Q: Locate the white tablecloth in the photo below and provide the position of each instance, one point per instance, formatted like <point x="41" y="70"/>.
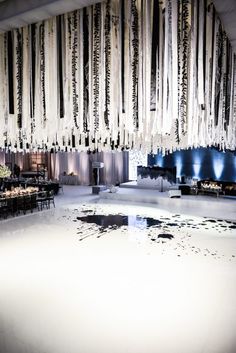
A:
<point x="69" y="179"/>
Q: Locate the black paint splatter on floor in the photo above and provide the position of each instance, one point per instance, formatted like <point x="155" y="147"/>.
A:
<point x="105" y="221"/>
<point x="87" y="211"/>
<point x="116" y="221"/>
<point x="96" y="222"/>
<point x="165" y="236"/>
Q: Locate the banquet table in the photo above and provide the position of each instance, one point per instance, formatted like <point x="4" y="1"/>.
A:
<point x="41" y="185"/>
<point x="14" y="204"/>
<point x="69" y="179"/>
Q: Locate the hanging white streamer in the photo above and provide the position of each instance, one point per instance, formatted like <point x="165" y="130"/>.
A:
<point x="189" y="101"/>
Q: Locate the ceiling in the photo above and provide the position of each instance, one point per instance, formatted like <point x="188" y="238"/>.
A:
<point x="17" y="13"/>
<point x="227" y="12"/>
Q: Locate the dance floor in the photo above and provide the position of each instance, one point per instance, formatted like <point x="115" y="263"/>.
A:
<point x="94" y="275"/>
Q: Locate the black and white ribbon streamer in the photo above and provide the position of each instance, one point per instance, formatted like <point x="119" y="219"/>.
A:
<point x="120" y="74"/>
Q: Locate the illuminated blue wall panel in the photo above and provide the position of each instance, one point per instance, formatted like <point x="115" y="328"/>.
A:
<point x="200" y="163"/>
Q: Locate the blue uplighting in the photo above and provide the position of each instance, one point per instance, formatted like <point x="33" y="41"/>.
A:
<point x="196" y="169"/>
<point x="159" y="160"/>
<point x="218" y="166"/>
<point x="179" y="166"/>
<point x="200" y="163"/>
<point x="197" y="161"/>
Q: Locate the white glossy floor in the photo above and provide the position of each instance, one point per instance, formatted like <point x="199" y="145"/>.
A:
<point x="201" y="205"/>
<point x="126" y="291"/>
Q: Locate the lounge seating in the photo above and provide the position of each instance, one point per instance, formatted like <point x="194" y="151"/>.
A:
<point x="217" y="187"/>
<point x="230" y="189"/>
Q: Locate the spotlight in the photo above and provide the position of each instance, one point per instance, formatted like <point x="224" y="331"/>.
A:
<point x="218" y="166"/>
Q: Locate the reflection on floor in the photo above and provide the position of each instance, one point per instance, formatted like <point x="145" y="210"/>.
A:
<point x="201" y="205"/>
<point x="95" y="276"/>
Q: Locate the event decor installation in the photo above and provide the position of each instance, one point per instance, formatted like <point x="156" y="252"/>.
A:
<point x="139" y="74"/>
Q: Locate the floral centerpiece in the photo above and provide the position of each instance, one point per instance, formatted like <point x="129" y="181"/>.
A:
<point x="19" y="191"/>
<point x="4" y="171"/>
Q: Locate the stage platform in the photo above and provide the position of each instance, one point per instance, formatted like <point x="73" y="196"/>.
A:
<point x="204" y="206"/>
<point x="133" y="185"/>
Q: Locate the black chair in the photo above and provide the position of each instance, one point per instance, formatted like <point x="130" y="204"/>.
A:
<point x="41" y="200"/>
<point x="33" y="201"/>
<point x="61" y="188"/>
<point x="3" y="208"/>
<point x="27" y="204"/>
<point x="12" y="205"/>
<point x="50" y="198"/>
<point x="20" y="204"/>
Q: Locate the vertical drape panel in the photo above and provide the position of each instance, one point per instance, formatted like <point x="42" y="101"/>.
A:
<point x="121" y="167"/>
<point x="108" y="172"/>
<point x="19" y="159"/>
<point x="85" y="168"/>
<point x="2" y="158"/>
<point x="115" y="169"/>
